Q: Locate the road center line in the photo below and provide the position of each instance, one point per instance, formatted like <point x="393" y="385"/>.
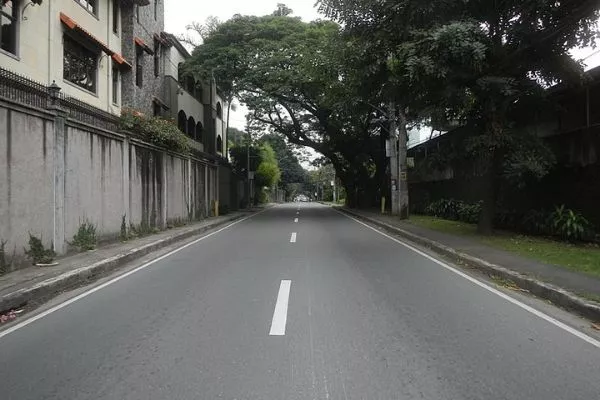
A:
<point x="293" y="238"/>
<point x="296" y="220"/>
<point x="281" y="308"/>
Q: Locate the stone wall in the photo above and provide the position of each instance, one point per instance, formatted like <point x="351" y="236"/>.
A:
<point x="141" y="98"/>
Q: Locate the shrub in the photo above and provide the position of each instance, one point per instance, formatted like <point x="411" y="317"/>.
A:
<point x="124" y="236"/>
<point x="570" y="225"/>
<point x="37" y="253"/>
<point x="454" y="210"/>
<point x="85" y="238"/>
<point x="223" y="209"/>
<point x="158" y="131"/>
<point x="4" y="264"/>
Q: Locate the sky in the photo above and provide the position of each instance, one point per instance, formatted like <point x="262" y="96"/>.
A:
<point x="180" y="13"/>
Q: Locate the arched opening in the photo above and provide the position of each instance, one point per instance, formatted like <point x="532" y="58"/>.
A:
<point x="191" y="130"/>
<point x="219" y="110"/>
<point x="180" y="78"/>
<point x="219" y="144"/>
<point x="182" y="121"/>
<point x="199" y="132"/>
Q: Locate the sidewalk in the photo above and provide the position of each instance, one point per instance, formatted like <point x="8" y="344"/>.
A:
<point x="555" y="283"/>
<point x="37" y="284"/>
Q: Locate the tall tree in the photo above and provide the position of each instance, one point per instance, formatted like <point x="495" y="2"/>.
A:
<point x="291" y="170"/>
<point x="479" y="60"/>
<point x="299" y="81"/>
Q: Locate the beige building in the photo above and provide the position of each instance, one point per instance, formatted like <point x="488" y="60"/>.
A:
<point x="75" y="43"/>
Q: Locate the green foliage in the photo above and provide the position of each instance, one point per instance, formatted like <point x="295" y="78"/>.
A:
<point x="268" y="173"/>
<point x="158" y="131"/>
<point x="562" y="223"/>
<point x="123" y="235"/>
<point x="4" y="263"/>
<point x="38" y="253"/>
<point x="223" y="209"/>
<point x="454" y="210"/>
<point x="570" y="225"/>
<point x="291" y="170"/>
<point x="479" y="62"/>
<point x="85" y="239"/>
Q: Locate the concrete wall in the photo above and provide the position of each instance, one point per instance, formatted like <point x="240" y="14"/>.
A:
<point x="57" y="172"/>
<point x="93" y="170"/>
<point x="26" y="177"/>
<point x="40" y="47"/>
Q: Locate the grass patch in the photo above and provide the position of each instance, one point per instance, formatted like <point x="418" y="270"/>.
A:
<point x="581" y="258"/>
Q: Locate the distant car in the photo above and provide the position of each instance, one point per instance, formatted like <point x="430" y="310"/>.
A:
<point x="301" y="198"/>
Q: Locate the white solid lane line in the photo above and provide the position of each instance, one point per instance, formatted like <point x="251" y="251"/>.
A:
<point x="293" y="238"/>
<point x="116" y="279"/>
<point x="281" y="308"/>
<point x="489" y="288"/>
<point x="296" y="220"/>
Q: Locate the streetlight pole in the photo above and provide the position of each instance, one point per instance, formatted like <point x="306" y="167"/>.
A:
<point x="394" y="159"/>
<point x="249" y="194"/>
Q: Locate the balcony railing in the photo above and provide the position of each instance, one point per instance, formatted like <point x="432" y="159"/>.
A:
<point x="19" y="89"/>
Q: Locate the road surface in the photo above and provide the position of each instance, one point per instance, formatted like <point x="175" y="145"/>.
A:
<point x="321" y="308"/>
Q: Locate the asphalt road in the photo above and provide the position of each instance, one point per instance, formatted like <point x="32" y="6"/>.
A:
<point x="366" y="318"/>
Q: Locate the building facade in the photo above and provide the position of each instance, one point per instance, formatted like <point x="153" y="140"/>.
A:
<point x="76" y="44"/>
<point x="198" y="108"/>
<point x="112" y="54"/>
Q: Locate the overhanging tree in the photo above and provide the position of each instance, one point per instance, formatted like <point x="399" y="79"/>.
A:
<point x="298" y="80"/>
<point x="479" y="60"/>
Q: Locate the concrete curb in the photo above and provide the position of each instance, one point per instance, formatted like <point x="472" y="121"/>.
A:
<point x="555" y="294"/>
<point x="49" y="288"/>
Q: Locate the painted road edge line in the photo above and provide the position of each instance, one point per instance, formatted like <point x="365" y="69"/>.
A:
<point x="293" y="238"/>
<point x="487" y="287"/>
<point x="116" y="279"/>
<point x="281" y="308"/>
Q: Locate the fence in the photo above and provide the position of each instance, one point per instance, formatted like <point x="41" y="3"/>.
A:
<point x="25" y="91"/>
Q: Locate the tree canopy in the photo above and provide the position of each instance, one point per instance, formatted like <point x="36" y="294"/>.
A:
<point x="332" y="86"/>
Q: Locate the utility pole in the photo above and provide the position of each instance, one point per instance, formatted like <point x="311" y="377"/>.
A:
<point x="394" y="159"/>
<point x="248" y="175"/>
<point x="398" y="164"/>
<point x="403" y="167"/>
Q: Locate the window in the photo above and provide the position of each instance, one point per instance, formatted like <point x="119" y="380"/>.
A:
<point x="155" y="10"/>
<point x="80" y="64"/>
<point x="115" y="16"/>
<point x="156" y="57"/>
<point x="8" y="20"/>
<point x="182" y="121"/>
<point x="115" y="84"/>
<point x="139" y="66"/>
<point x="219" y="111"/>
<point x="156" y="109"/>
<point x="90" y="5"/>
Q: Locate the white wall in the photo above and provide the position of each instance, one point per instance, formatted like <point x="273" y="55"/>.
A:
<point x="40" y="47"/>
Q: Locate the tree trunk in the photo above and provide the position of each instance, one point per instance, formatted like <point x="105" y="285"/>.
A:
<point x="488" y="208"/>
<point x="490" y="177"/>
